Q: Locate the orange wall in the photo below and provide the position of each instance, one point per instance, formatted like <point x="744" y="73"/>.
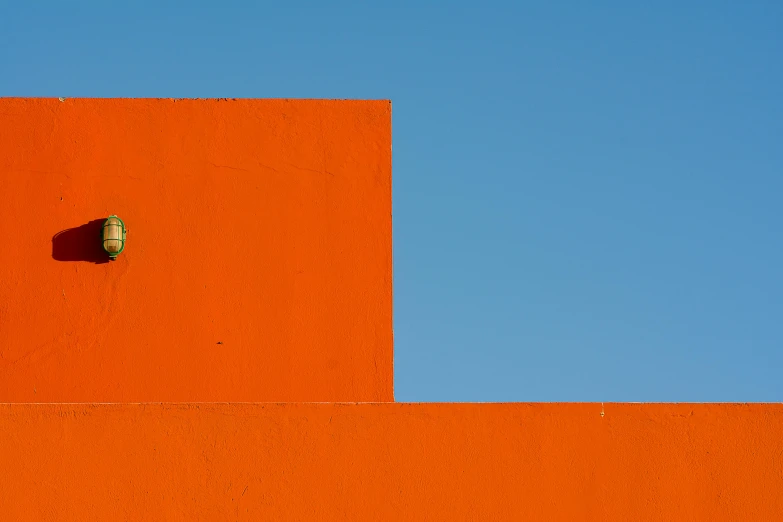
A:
<point x="264" y="225"/>
<point x="392" y="462"/>
<point x="258" y="268"/>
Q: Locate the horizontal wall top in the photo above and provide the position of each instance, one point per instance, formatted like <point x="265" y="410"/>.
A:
<point x="392" y="462"/>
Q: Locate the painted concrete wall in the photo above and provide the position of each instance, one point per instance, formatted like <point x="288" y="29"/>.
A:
<point x="453" y="462"/>
<point x="258" y="265"/>
<point x="258" y="268"/>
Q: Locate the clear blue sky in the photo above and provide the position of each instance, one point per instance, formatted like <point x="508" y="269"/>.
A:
<point x="587" y="195"/>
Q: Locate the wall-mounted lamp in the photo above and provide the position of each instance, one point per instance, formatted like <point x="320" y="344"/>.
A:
<point x="113" y="236"/>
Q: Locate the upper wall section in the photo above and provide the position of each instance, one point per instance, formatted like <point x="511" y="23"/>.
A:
<point x="258" y="264"/>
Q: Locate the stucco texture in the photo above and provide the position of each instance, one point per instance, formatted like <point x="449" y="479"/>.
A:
<point x="258" y="271"/>
<point x="258" y="264"/>
<point x="392" y="461"/>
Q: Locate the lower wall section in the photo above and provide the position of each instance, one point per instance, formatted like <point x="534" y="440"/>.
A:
<point x="391" y="462"/>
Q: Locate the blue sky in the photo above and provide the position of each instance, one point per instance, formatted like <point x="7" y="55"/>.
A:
<point x="587" y="195"/>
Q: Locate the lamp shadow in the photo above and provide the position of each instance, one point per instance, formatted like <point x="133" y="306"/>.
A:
<point x="80" y="244"/>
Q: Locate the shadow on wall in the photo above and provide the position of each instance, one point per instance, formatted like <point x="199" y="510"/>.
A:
<point x="80" y="244"/>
